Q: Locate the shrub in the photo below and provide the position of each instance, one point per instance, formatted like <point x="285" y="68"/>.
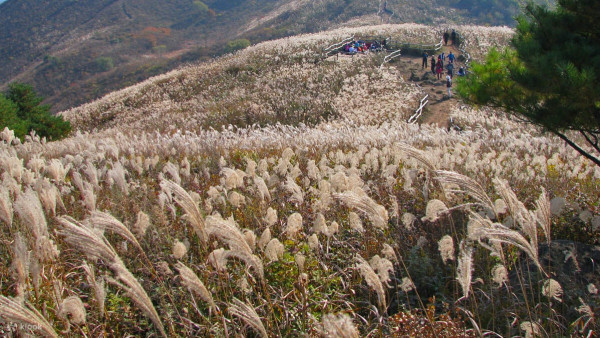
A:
<point x="21" y="110"/>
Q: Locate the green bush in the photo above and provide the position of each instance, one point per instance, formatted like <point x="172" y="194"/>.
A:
<point x="104" y="63"/>
<point x="237" y="44"/>
<point x="21" y="110"/>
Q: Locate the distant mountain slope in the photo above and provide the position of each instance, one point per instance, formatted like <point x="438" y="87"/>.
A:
<point x="73" y="51"/>
<point x="276" y="82"/>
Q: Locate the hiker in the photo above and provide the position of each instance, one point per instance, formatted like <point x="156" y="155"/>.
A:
<point x="451" y="57"/>
<point x="449" y="85"/>
<point x="425" y="57"/>
<point x="453" y="36"/>
<point x="433" y="64"/>
<point x="450" y="68"/>
<point x="461" y="72"/>
<point x="446" y="36"/>
<point x="438" y="69"/>
<point x="443" y="56"/>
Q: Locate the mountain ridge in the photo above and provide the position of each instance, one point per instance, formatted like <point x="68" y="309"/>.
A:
<point x="75" y="51"/>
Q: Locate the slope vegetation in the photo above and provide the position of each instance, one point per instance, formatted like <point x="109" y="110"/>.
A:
<point x="267" y="194"/>
<point x="76" y="51"/>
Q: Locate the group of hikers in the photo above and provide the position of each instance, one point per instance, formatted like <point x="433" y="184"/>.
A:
<point x="364" y="46"/>
<point x="437" y="68"/>
<point x="437" y="65"/>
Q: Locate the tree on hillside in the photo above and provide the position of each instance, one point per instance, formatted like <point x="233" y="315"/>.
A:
<point x="551" y="74"/>
<point x="21" y="110"/>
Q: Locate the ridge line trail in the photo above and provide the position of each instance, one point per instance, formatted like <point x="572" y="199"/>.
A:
<point x="437" y="111"/>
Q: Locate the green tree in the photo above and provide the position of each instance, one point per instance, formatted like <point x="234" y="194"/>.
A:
<point x="21" y="110"/>
<point x="550" y="76"/>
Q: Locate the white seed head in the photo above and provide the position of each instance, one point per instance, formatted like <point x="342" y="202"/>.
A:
<point x="552" y="289"/>
<point x="179" y="250"/>
<point x="446" y="248"/>
<point x="499" y="274"/>
<point x="72" y="309"/>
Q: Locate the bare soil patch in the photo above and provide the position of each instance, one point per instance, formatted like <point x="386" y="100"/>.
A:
<point x="438" y="109"/>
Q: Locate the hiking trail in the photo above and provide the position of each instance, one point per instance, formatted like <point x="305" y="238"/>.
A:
<point x="438" y="109"/>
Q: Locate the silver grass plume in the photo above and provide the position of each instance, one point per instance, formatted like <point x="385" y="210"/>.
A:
<point x="232" y="178"/>
<point x="518" y="211"/>
<point x="29" y="209"/>
<point x="6" y="207"/>
<point x="218" y="259"/>
<point x="95" y="245"/>
<point x="417" y="155"/>
<point x="293" y="225"/>
<point x="229" y="232"/>
<point x="194" y="216"/>
<point x="265" y="238"/>
<point x="338" y="326"/>
<point x="105" y="221"/>
<point x="116" y="175"/>
<point x="552" y="289"/>
<point x="375" y="212"/>
<point x="467" y="184"/>
<point x="250" y="237"/>
<point x="72" y="309"/>
<point x="355" y="222"/>
<point x="96" y="284"/>
<point x="191" y="280"/>
<point x="499" y="274"/>
<point x="48" y="194"/>
<point x="543" y="213"/>
<point x="446" y="248"/>
<point x="20" y="264"/>
<point x="292" y="188"/>
<point x="434" y="210"/>
<point x="271" y="217"/>
<point x="173" y="171"/>
<point x="141" y="224"/>
<point x="382" y="266"/>
<point x="274" y="250"/>
<point x="532" y="329"/>
<point x="465" y="267"/>
<point x="13" y="311"/>
<point x="372" y="279"/>
<point x="496" y="232"/>
<point x="179" y="249"/>
<point x="89" y="197"/>
<point x="262" y="189"/>
<point x="389" y="253"/>
<point x="248" y="315"/>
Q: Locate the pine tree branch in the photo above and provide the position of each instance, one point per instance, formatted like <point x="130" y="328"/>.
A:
<point x="575" y="146"/>
<point x="594" y="142"/>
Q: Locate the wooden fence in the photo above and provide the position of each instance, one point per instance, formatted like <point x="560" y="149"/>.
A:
<point x="419" y="111"/>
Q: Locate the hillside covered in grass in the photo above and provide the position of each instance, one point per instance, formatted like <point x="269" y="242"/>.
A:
<point x="272" y="192"/>
<point x="75" y="51"/>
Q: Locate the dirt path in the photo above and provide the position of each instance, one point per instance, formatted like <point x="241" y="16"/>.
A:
<point x="439" y="106"/>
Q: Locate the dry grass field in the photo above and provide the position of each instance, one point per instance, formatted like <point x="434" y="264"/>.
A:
<point x="272" y="193"/>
